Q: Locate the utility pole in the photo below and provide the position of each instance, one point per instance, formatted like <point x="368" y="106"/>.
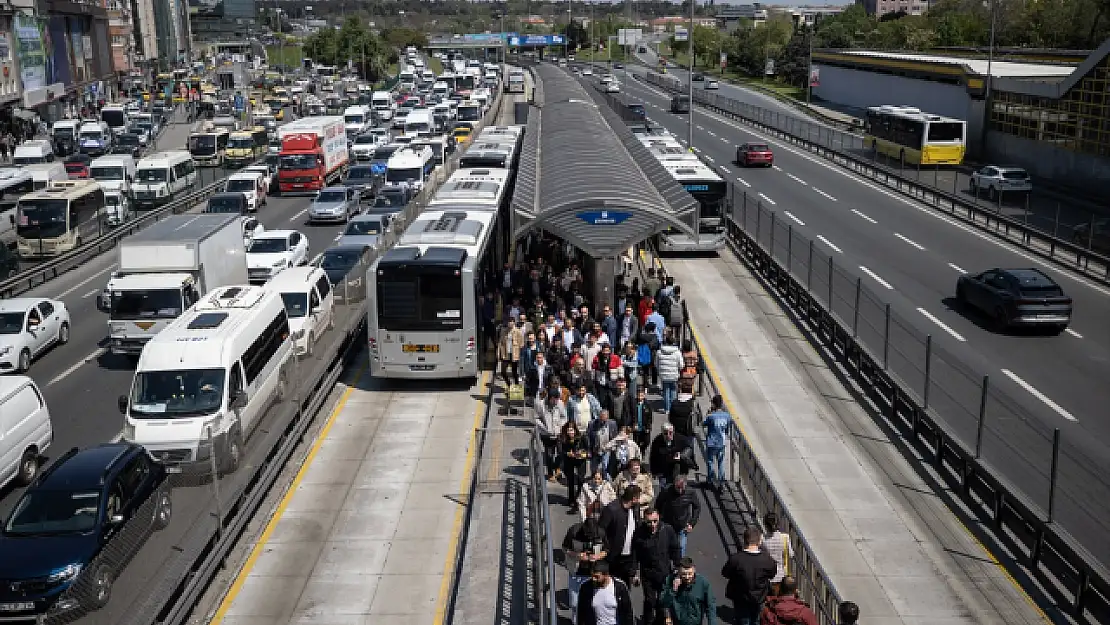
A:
<point x="570" y="23"/>
<point x="690" y="78"/>
<point x="810" y="32"/>
<point x="987" y="105"/>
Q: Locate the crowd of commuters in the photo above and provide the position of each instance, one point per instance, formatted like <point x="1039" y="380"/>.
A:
<point x="597" y="386"/>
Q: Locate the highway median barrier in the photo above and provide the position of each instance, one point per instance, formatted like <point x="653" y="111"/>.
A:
<point x="844" y="149"/>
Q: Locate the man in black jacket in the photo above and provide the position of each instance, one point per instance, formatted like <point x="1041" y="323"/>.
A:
<point x="749" y="573"/>
<point x="618" y="521"/>
<point x="605" y="599"/>
<point x="584" y="545"/>
<point x="538" y="375"/>
<point x="670" y="455"/>
<point x="679" y="508"/>
<point x="658" y="552"/>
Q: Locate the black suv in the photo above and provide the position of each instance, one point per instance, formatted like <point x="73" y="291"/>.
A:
<point x="76" y="527"/>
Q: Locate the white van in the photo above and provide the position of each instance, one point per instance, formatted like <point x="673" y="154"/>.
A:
<point x="161" y="177"/>
<point x="382" y="103"/>
<point x="25" y="430"/>
<point x="419" y="123"/>
<point x="95" y="138"/>
<point x="45" y="173"/>
<point x="115" y="172"/>
<point x="251" y="184"/>
<point x="218" y="390"/>
<point x="33" y="151"/>
<point x="411" y="166"/>
<point x="309" y="304"/>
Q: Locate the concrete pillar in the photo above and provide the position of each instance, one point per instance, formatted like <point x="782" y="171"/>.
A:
<point x="604" y="280"/>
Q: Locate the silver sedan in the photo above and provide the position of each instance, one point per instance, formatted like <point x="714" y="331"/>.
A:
<point x="334" y="204"/>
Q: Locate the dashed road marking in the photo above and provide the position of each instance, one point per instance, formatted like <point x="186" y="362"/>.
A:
<point x="829" y="243"/>
<point x="797" y="179"/>
<point x="909" y="241"/>
<point x="769" y="200"/>
<point x="1039" y="395"/>
<point x="824" y="194"/>
<point x="794" y="218"/>
<point x="743" y="182"/>
<point x="863" y="216"/>
<point x="1073" y="333"/>
<point x="957" y="268"/>
<point x="77" y="365"/>
<point x="874" y="276"/>
<point x="943" y="326"/>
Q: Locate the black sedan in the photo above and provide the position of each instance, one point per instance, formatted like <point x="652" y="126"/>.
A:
<point x="1016" y="297"/>
<point x="128" y="143"/>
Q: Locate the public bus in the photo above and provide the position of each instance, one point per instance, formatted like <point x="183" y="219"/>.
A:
<point x="209" y="145"/>
<point x="711" y="192"/>
<point x="58" y="218"/>
<point x="424" y="322"/>
<point x="914" y="137"/>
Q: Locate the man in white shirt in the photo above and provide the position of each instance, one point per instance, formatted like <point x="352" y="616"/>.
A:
<point x="604" y="600"/>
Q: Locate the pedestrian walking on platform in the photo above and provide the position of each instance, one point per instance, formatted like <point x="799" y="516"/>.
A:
<point x="848" y="612"/>
<point x="749" y="573"/>
<point x="786" y="608"/>
<point x="669" y="364"/>
<point x="605" y="600"/>
<point x="619" y="520"/>
<point x="575" y="453"/>
<point x="680" y="509"/>
<point x="671" y="455"/>
<point x="718" y="426"/>
<point x="777" y="545"/>
<point x="658" y="554"/>
<point x="585" y="544"/>
<point x="687" y="598"/>
<point x="509" y="346"/>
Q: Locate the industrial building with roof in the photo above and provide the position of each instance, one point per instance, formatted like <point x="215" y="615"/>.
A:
<point x="1051" y="118"/>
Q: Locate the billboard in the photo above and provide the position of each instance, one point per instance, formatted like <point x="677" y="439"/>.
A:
<point x="31" y="52"/>
<point x="537" y="40"/>
<point x="629" y="36"/>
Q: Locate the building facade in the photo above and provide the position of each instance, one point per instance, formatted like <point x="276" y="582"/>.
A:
<point x="879" y="8"/>
<point x="223" y="20"/>
<point x="121" y="34"/>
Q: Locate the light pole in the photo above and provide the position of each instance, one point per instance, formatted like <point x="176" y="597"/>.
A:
<point x="690" y="78"/>
<point x="809" y="72"/>
<point x="987" y="105"/>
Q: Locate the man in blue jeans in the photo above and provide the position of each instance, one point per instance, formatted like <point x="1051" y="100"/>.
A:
<point x="718" y="426"/>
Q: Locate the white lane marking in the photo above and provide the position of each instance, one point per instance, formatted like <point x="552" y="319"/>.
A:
<point x="298" y="215"/>
<point x="776" y="167"/>
<point x="795" y="219"/>
<point x="797" y="179"/>
<point x="85" y="281"/>
<point x="921" y="208"/>
<point x="942" y="325"/>
<point x="957" y="267"/>
<point x="909" y="241"/>
<point x="77" y="365"/>
<point x="769" y="200"/>
<point x="725" y="169"/>
<point x="1073" y="333"/>
<point x="709" y="132"/>
<point x="90" y="293"/>
<point x="829" y="243"/>
<point x="696" y="149"/>
<point x="707" y="157"/>
<point x="743" y="182"/>
<point x="824" y="194"/>
<point x="862" y="216"/>
<point x="874" y="276"/>
<point x="723" y="139"/>
<point x="1039" y="395"/>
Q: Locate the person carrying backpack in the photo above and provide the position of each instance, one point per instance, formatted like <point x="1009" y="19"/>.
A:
<point x="676" y="315"/>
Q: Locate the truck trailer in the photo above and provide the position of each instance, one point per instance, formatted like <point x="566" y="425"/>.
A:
<point x="164" y="270"/>
<point x="313" y="154"/>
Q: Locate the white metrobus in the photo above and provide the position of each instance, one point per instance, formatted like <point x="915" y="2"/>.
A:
<point x="203" y="384"/>
<point x="473" y="189"/>
<point x="424" y="320"/>
<point x="161" y="177"/>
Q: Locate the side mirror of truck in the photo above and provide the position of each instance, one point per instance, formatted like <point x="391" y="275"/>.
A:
<point x="122" y="402"/>
<point x="239" y="401"/>
<point x="102" y="303"/>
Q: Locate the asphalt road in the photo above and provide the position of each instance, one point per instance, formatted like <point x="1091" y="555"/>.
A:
<point x="1046" y="210"/>
<point x="910" y="256"/>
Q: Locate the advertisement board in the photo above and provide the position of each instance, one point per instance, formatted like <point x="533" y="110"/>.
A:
<point x="32" y="53"/>
<point x="537" y="40"/>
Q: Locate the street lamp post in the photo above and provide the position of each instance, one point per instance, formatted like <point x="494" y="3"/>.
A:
<point x="987" y="106"/>
<point x="690" y="78"/>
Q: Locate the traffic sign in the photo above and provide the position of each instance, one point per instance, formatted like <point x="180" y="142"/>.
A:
<point x="240" y="102"/>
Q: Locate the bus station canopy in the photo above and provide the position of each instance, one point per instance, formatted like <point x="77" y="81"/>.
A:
<point x="585" y="177"/>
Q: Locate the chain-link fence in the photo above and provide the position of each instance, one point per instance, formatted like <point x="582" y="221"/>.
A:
<point x="1075" y="222"/>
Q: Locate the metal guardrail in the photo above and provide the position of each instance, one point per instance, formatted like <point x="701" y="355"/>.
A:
<point x="815" y="585"/>
<point x="805" y="281"/>
<point x="823" y="142"/>
<point x="52" y="268"/>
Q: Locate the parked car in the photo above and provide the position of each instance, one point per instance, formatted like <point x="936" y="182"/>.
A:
<point x="1016" y="297"/>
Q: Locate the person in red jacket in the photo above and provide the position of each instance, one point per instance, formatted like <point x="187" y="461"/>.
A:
<point x="787" y="608"/>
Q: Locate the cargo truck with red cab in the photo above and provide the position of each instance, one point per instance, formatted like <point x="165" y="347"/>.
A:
<point x="313" y="154"/>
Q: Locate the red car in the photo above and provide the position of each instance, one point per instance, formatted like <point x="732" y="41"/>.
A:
<point x="750" y="154"/>
<point x="77" y="166"/>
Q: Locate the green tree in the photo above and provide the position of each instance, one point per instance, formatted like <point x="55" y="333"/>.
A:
<point x="402" y="37"/>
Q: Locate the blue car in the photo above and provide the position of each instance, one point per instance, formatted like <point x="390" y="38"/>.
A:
<point x="76" y="527"/>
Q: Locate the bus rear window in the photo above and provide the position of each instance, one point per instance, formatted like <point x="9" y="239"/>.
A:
<point x="425" y="299"/>
<point x="946" y="131"/>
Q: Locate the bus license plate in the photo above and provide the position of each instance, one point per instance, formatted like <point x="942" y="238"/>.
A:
<point x="421" y="349"/>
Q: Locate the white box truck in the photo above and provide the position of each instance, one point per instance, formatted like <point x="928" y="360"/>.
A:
<point x="165" y="269"/>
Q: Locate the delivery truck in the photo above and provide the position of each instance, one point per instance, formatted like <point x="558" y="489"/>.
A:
<point x="313" y="154"/>
<point x="165" y="269"/>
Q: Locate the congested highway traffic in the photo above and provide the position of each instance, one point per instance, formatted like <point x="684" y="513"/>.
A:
<point x="911" y="257"/>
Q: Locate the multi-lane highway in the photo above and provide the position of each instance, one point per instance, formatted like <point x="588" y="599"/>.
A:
<point x="910" y="256"/>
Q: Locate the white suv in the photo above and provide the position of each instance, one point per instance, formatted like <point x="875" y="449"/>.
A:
<point x="995" y="179"/>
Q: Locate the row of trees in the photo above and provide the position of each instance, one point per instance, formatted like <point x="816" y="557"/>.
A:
<point x="372" y="53"/>
<point x="1068" y="24"/>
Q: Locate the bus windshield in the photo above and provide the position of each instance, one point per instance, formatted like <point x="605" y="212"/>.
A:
<point x="154" y="304"/>
<point x="409" y="174"/>
<point x="45" y="218"/>
<point x="241" y="143"/>
<point x="469" y="113"/>
<point x="421" y="298"/>
<point x="107" y="173"/>
<point x="152" y="175"/>
<point x="175" y="394"/>
<point x="202" y="144"/>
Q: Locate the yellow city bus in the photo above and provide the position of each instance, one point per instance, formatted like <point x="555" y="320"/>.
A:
<point x="913" y="137"/>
